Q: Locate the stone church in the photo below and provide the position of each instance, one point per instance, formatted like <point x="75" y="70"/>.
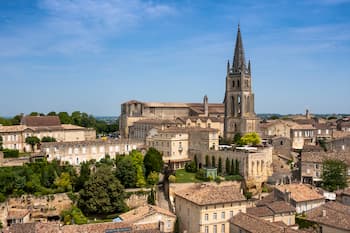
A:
<point x="240" y="116"/>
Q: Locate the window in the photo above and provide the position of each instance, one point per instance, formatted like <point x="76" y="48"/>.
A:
<point x="231" y="214"/>
<point x="327" y="131"/>
<point x="222" y="228"/>
<point x="214" y="216"/>
<point x="214" y="229"/>
<point x="222" y="215"/>
<point x="168" y="223"/>
<point x="206" y="229"/>
<point x="206" y="217"/>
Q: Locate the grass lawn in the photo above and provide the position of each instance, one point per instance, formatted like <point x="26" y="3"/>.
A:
<point x="185" y="177"/>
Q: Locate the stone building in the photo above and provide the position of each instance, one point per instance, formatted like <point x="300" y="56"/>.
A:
<point x="175" y="143"/>
<point x="311" y="166"/>
<point x="78" y="152"/>
<point x="240" y="116"/>
<point x="134" y="111"/>
<point x="42" y="126"/>
<point x="332" y="217"/>
<point x="255" y="164"/>
<point x="150" y="214"/>
<point x="303" y="135"/>
<point x="208" y="208"/>
<point x="301" y="196"/>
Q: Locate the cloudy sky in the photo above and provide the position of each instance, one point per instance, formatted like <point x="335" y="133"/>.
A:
<point x="92" y="55"/>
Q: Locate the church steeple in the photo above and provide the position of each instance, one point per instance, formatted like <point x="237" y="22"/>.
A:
<point x="239" y="59"/>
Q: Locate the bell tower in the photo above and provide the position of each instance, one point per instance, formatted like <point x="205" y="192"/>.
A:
<point x="240" y="116"/>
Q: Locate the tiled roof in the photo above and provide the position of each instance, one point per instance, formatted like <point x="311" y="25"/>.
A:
<point x="203" y="194"/>
<point x="320" y="156"/>
<point x="300" y="192"/>
<point x="36" y="121"/>
<point x="144" y="211"/>
<point x="254" y="224"/>
<point x="332" y="214"/>
<point x="12" y="128"/>
<point x="17" y="214"/>
<point x="98" y="227"/>
<point x="270" y="209"/>
<point x="35" y="227"/>
<point x="267" y="199"/>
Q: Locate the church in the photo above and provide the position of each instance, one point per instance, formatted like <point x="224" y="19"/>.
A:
<point x="235" y="115"/>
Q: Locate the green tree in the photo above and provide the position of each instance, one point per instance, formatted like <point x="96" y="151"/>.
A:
<point x="73" y="216"/>
<point x="53" y="113"/>
<point x="236" y="167"/>
<point x="64" y="182"/>
<point x="334" y="175"/>
<point x="237" y="138"/>
<point x="137" y="160"/>
<point x="151" y="199"/>
<point x="102" y="193"/>
<point x="213" y="163"/>
<point x="153" y="161"/>
<point x="84" y="175"/>
<point x="65" y="118"/>
<point x="227" y="166"/>
<point x="153" y="178"/>
<point x="207" y="164"/>
<point x="250" y="139"/>
<point x="48" y="139"/>
<point x="233" y="170"/>
<point x="219" y="166"/>
<point x="126" y="172"/>
<point x="196" y="161"/>
<point x="32" y="141"/>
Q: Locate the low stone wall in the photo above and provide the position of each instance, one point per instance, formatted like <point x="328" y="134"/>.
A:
<point x="137" y="197"/>
<point x="11" y="162"/>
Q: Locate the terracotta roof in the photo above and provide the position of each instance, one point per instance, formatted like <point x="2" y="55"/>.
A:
<point x="98" y="227"/>
<point x="302" y="126"/>
<point x="300" y="192"/>
<point x="144" y="211"/>
<point x="204" y="194"/>
<point x="254" y="224"/>
<point x="17" y="214"/>
<point x="270" y="209"/>
<point x="332" y="214"/>
<point x="12" y="128"/>
<point x="35" y="227"/>
<point x="267" y="199"/>
<point x="40" y="121"/>
<point x="320" y="156"/>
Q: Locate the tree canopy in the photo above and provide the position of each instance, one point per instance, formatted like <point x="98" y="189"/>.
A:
<point x="126" y="171"/>
<point x="153" y="161"/>
<point x="102" y="193"/>
<point x="334" y="175"/>
<point x="32" y="141"/>
<point x="250" y="139"/>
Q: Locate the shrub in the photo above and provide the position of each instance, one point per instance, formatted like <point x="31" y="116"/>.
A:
<point x="172" y="179"/>
<point x="218" y="180"/>
<point x="234" y="178"/>
<point x="200" y="175"/>
<point x="191" y="167"/>
<point x="8" y="153"/>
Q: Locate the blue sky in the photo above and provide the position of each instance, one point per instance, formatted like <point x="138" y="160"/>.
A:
<point x="92" y="55"/>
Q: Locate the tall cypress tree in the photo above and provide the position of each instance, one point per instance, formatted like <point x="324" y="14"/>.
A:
<point x="237" y="167"/>
<point x="227" y="166"/>
<point x="220" y="166"/>
<point x="213" y="164"/>
<point x="207" y="161"/>
<point x="232" y="172"/>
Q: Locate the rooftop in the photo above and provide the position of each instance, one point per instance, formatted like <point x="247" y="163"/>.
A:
<point x="332" y="214"/>
<point x="36" y="121"/>
<point x="17" y="214"/>
<point x="270" y="209"/>
<point x="320" y="156"/>
<point x="204" y="194"/>
<point x="144" y="211"/>
<point x="254" y="224"/>
<point x="300" y="192"/>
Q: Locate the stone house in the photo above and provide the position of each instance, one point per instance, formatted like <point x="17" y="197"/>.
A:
<point x="77" y="152"/>
<point x="343" y="196"/>
<point x="247" y="223"/>
<point x="208" y="208"/>
<point x="303" y="135"/>
<point x="277" y="211"/>
<point x="332" y="217"/>
<point x="149" y="214"/>
<point x="301" y="196"/>
<point x="17" y="216"/>
<point x="42" y="126"/>
<point x="311" y="165"/>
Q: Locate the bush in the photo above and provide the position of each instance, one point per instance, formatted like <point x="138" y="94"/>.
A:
<point x="200" y="175"/>
<point x="218" y="180"/>
<point x="191" y="167"/>
<point x="234" y="178"/>
<point x="8" y="153"/>
<point x="172" y="179"/>
<point x="248" y="195"/>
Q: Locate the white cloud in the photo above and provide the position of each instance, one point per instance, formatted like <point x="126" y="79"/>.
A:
<point x="71" y="26"/>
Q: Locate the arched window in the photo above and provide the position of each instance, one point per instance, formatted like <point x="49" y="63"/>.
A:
<point x="233" y="83"/>
<point x="238" y="84"/>
<point x="233" y="105"/>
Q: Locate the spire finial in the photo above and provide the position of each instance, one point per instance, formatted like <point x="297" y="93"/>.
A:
<point x="239" y="64"/>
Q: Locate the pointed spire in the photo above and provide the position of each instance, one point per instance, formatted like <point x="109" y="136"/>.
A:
<point x="249" y="67"/>
<point x="228" y="66"/>
<point x="239" y="59"/>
